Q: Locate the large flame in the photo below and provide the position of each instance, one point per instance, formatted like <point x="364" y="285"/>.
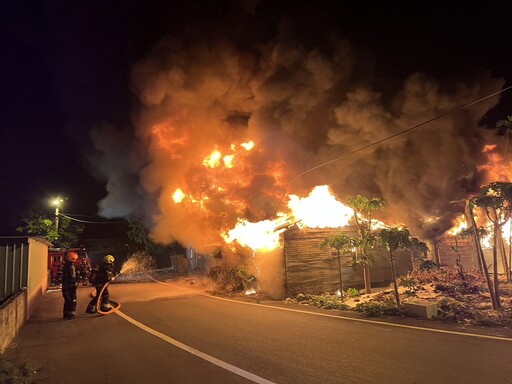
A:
<point x="257" y="236"/>
<point x="320" y="209"/>
<point x="496" y="169"/>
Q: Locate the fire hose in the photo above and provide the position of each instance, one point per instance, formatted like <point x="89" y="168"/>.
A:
<point x="98" y="302"/>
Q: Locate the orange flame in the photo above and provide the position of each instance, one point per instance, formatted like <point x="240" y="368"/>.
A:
<point x="496" y="169"/>
<point x="320" y="209"/>
<point x="213" y="159"/>
<point x="257" y="236"/>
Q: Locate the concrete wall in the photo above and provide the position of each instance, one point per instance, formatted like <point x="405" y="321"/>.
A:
<point x="37" y="272"/>
<point x="18" y="308"/>
<point x="13" y="314"/>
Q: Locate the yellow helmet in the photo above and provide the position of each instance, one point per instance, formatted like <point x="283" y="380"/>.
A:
<point x="72" y="256"/>
<point x="109" y="259"/>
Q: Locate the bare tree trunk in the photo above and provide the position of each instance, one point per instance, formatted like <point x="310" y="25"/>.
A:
<point x="367" y="279"/>
<point x="341" y="276"/>
<point x="393" y="275"/>
<point x="475" y="238"/>
<point x="458" y="262"/>
<point x="495" y="267"/>
<point x="481" y="256"/>
<point x="435" y="247"/>
<point x="503" y="253"/>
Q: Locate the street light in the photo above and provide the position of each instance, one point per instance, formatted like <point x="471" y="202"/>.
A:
<point x="57" y="203"/>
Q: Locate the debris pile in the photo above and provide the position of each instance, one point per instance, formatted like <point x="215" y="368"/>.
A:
<point x="461" y="297"/>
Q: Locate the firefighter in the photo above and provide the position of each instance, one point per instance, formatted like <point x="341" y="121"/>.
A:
<point x="69" y="284"/>
<point x="101" y="276"/>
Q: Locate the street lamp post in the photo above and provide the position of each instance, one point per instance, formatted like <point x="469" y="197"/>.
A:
<point x="57" y="202"/>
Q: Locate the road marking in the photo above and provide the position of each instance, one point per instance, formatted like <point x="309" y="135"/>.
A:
<point x="502" y="338"/>
<point x="238" y="371"/>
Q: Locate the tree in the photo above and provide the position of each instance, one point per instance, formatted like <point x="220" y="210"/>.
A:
<point x="496" y="200"/>
<point x="342" y="244"/>
<point x="139" y="234"/>
<point x="363" y="209"/>
<point x="394" y="238"/>
<point x="42" y="225"/>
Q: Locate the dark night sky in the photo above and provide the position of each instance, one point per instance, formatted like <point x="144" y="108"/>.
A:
<point x="66" y="69"/>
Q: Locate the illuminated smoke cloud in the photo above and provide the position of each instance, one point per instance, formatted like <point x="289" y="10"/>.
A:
<point x="302" y="104"/>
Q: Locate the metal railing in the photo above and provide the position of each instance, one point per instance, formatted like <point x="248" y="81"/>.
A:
<point x="13" y="268"/>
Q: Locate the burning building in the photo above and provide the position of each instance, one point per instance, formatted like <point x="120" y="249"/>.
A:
<point x="232" y="127"/>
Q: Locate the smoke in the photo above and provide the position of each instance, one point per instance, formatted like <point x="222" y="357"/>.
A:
<point x="303" y="100"/>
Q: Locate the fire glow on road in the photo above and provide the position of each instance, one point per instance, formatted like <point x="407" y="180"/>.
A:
<point x="222" y="364"/>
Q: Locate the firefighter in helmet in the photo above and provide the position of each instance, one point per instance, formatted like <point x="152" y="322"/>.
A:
<point x="69" y="284"/>
<point x="99" y="278"/>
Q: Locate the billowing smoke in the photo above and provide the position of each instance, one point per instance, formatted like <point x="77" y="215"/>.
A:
<point x="302" y="101"/>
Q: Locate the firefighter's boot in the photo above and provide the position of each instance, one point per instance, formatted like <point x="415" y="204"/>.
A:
<point x="91" y="309"/>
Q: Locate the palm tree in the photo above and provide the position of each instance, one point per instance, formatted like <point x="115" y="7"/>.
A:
<point x="343" y="244"/>
<point x="394" y="238"/>
<point x="496" y="200"/>
<point x="363" y="209"/>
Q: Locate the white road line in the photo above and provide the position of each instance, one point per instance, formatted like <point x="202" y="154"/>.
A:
<point x="238" y="371"/>
<point x="502" y="338"/>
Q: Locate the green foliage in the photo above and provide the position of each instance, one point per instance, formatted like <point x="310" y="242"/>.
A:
<point x="353" y="292"/>
<point x="419" y="248"/>
<point x="235" y="278"/>
<point x="496" y="196"/>
<point x="394" y="238"/>
<point x="139" y="234"/>
<point x="428" y="265"/>
<point x="44" y="226"/>
<point x="379" y="308"/>
<point x="328" y="301"/>
<point x="341" y="242"/>
<point x="411" y="286"/>
<point x="362" y="204"/>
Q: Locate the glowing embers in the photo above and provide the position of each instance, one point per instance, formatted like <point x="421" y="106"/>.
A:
<point x="178" y="196"/>
<point x="320" y="209"/>
<point x="216" y="158"/>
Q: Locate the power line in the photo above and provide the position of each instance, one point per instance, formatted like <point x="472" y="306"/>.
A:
<point x="90" y="222"/>
<point x="391" y="137"/>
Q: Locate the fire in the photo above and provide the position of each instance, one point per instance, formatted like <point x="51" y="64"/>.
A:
<point x="248" y="146"/>
<point x="496" y="168"/>
<point x="178" y="196"/>
<point x="167" y="138"/>
<point x="213" y="159"/>
<point x="257" y="236"/>
<point x="320" y="209"/>
<point x="228" y="161"/>
<point x="459" y="225"/>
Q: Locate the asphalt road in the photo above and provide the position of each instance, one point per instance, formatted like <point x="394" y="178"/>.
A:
<point x="168" y="333"/>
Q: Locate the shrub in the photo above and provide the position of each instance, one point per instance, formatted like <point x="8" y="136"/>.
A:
<point x="328" y="301"/>
<point x="353" y="292"/>
<point x="230" y="278"/>
<point x="379" y="308"/>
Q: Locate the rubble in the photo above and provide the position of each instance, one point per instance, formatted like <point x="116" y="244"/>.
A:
<point x="464" y="301"/>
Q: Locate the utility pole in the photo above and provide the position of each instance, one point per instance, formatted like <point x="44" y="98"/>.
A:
<point x="57" y="202"/>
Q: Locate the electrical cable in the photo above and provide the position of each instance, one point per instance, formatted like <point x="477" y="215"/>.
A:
<point x="90" y="222"/>
<point x="390" y="137"/>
